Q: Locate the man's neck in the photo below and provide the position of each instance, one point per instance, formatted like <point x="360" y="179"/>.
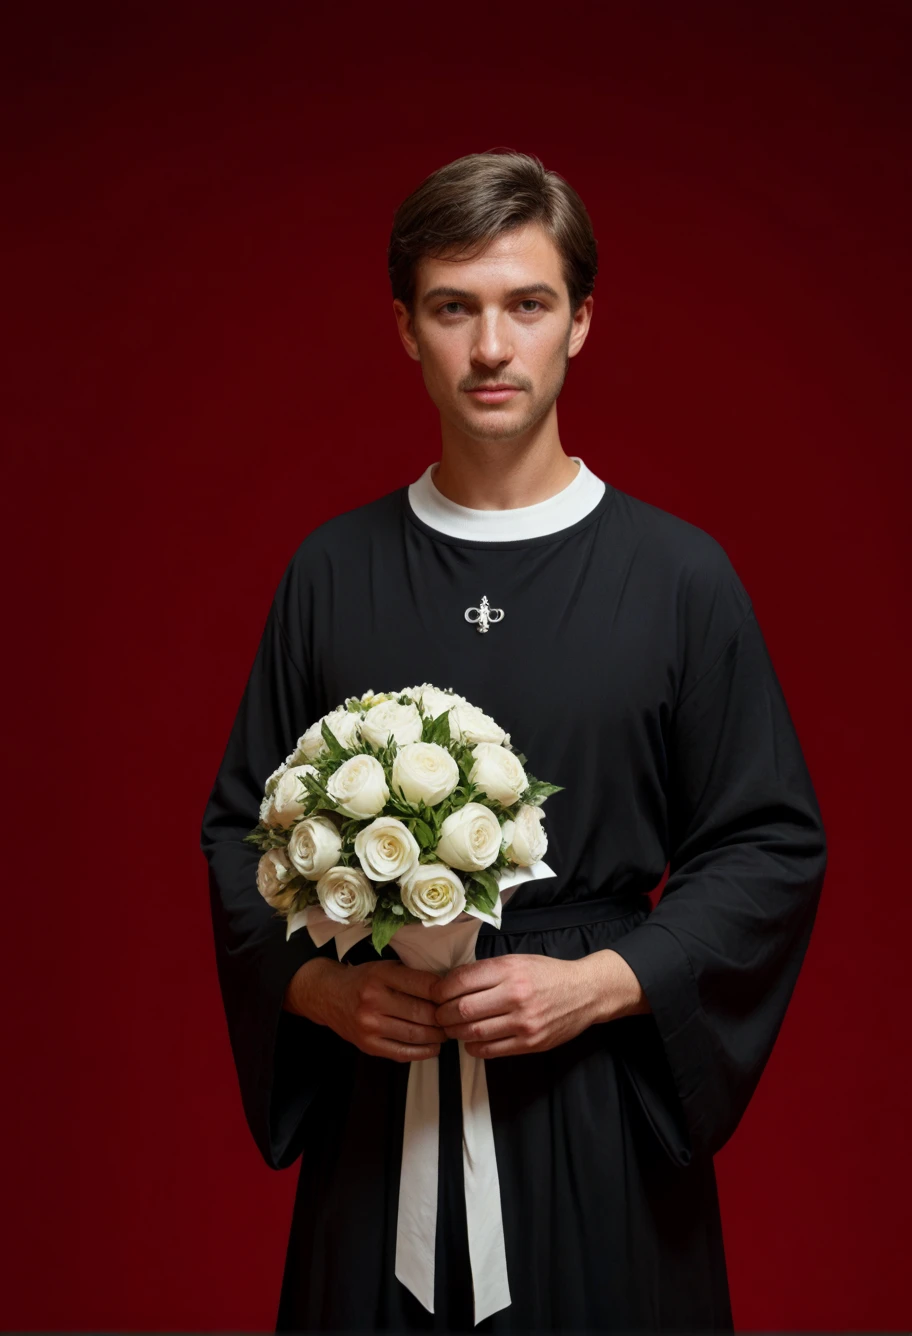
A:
<point x="497" y="476"/>
<point x="491" y="524"/>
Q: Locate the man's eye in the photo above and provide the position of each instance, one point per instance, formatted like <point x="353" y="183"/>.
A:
<point x="446" y="307"/>
<point x="529" y="301"/>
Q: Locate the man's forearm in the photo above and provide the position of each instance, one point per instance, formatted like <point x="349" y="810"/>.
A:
<point x="614" y="990"/>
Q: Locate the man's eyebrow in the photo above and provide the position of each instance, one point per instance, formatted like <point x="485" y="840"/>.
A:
<point x="528" y="289"/>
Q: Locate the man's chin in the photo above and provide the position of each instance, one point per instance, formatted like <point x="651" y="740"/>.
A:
<point x="497" y="426"/>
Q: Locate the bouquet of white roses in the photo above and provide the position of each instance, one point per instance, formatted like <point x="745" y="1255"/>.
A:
<point x="399" y="808"/>
<point x="395" y="812"/>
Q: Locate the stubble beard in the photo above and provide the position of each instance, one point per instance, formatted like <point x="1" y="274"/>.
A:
<point x="496" y="426"/>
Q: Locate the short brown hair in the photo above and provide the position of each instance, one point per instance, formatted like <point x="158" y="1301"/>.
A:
<point x="467" y="203"/>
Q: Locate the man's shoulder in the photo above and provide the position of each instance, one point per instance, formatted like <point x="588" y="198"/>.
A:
<point x="688" y="565"/>
<point x="679" y="545"/>
<point x="346" y="532"/>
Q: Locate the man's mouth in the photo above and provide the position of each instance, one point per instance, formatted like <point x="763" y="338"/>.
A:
<point x="494" y="394"/>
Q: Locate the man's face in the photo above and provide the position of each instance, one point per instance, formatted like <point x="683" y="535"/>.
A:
<point x="500" y="319"/>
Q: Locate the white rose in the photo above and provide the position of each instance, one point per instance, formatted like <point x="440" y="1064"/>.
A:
<point x="425" y="772"/>
<point x="498" y="772"/>
<point x="311" y="743"/>
<point x="359" y="786"/>
<point x="433" y="893"/>
<point x="386" y="849"/>
<point x="345" y="726"/>
<point x="524" y="838"/>
<point x="476" y="726"/>
<point x="435" y="702"/>
<point x="273" y="871"/>
<point x="426" y="692"/>
<point x="314" y="846"/>
<point x="346" y="895"/>
<point x="272" y="781"/>
<point x="403" y="721"/>
<point x="289" y="796"/>
<point x="469" y="838"/>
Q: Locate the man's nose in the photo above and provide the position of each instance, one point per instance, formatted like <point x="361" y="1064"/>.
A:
<point x="493" y="344"/>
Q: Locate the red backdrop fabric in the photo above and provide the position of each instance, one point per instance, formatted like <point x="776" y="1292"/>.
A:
<point x="203" y="365"/>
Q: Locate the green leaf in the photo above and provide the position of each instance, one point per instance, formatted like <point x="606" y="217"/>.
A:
<point x="424" y="835"/>
<point x="488" y="880"/>
<point x="538" y="791"/>
<point x="480" y="897"/>
<point x="437" y="730"/>
<point x="384" y="925"/>
<point x="336" y="751"/>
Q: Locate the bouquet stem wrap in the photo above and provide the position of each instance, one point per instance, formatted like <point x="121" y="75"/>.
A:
<point x="439" y="949"/>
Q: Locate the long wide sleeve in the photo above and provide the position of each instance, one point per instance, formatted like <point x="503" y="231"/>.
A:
<point x="719" y="956"/>
<point x="280" y="1057"/>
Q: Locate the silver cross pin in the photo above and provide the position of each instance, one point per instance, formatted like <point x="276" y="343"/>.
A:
<point x="484" y="615"/>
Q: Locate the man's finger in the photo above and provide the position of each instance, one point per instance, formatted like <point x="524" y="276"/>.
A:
<point x="474" y="1007"/>
<point x="408" y="1007"/>
<point x="419" y="983"/>
<point x="496" y="1048"/>
<point x="469" y="978"/>
<point x="484" y="1028"/>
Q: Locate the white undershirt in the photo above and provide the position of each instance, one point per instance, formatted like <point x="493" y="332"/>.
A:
<point x="567" y="506"/>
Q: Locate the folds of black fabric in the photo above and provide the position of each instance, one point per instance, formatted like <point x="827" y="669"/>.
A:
<point x="633" y="670"/>
<point x="279" y="1057"/>
<point x="719" y="956"/>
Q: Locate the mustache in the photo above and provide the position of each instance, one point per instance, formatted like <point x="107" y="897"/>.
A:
<point x="488" y="384"/>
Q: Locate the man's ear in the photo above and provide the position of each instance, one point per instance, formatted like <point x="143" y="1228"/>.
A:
<point x="406" y="329"/>
<point x="580" y="326"/>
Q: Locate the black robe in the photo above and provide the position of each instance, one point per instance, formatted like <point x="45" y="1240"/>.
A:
<point x="629" y="667"/>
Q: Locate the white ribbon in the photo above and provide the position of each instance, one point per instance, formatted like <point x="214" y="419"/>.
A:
<point x="440" y="948"/>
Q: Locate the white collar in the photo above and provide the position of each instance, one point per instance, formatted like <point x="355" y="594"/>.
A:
<point x="566" y="507"/>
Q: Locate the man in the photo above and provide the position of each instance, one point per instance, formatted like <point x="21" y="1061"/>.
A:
<point x="621" y="1046"/>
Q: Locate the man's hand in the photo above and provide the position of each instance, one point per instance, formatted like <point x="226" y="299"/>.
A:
<point x="381" y="1007"/>
<point x="523" y="1003"/>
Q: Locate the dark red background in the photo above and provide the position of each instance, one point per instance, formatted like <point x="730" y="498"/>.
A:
<point x="203" y="366"/>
